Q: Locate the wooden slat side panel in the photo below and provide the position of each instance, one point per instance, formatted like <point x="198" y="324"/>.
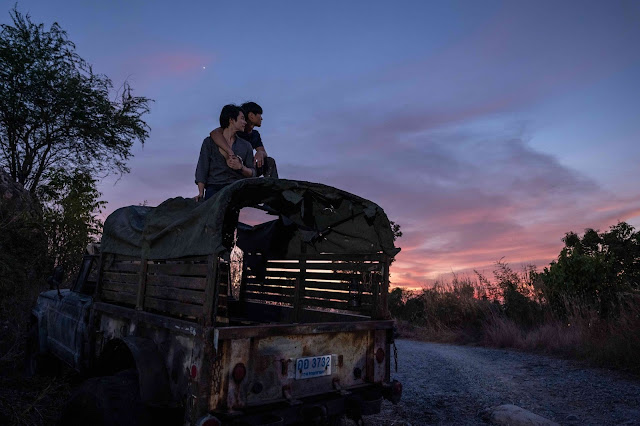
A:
<point x="172" y="307"/>
<point x="178" y="295"/>
<point x="190" y="283"/>
<point x="122" y="277"/>
<point x="120" y="286"/>
<point x="119" y="297"/>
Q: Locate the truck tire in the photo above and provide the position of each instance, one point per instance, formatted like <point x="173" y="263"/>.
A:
<point x="106" y="401"/>
<point x="36" y="363"/>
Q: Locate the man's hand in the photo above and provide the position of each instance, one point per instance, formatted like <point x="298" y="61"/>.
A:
<point x="234" y="163"/>
<point x="200" y="196"/>
<point x="260" y="157"/>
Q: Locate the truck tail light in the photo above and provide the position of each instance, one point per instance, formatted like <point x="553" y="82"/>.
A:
<point x="239" y="371"/>
<point x="380" y="355"/>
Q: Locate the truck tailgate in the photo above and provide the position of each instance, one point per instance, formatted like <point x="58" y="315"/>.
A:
<point x="277" y="363"/>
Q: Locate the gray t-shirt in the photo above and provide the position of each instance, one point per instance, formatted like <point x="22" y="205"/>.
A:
<point x="212" y="167"/>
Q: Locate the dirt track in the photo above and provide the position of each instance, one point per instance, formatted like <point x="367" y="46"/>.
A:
<point x="446" y="384"/>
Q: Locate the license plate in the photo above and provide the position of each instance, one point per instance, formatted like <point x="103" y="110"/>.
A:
<point x="313" y="366"/>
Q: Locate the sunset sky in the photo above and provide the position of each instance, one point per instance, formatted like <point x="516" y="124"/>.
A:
<point x="487" y="129"/>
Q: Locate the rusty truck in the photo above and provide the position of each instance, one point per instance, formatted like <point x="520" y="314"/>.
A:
<point x="188" y="315"/>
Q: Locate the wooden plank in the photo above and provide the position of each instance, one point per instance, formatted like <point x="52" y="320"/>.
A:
<point x="256" y="288"/>
<point x="268" y="330"/>
<point x="384" y="292"/>
<point x="176" y="294"/>
<point x="210" y="290"/>
<point x="299" y="289"/>
<point x="142" y="279"/>
<point x="362" y="308"/>
<point x="172" y="308"/>
<point x="269" y="297"/>
<point x="345" y="296"/>
<point x="96" y="293"/>
<point x="328" y="304"/>
<point x="124" y="267"/>
<point x="122" y="277"/>
<point x="353" y="257"/>
<point x="191" y="283"/>
<point x="119" y="297"/>
<point x="273" y="281"/>
<point x="183" y="269"/>
<point x="124" y="257"/>
<point x="332" y="286"/>
<point x="327" y="275"/>
<point x="347" y="266"/>
<point x="121" y="287"/>
<point x="337" y="295"/>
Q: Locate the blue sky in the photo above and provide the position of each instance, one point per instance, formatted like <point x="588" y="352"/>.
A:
<point x="487" y="129"/>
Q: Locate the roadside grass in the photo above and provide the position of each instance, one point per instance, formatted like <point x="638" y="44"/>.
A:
<point x="458" y="313"/>
<point x="26" y="400"/>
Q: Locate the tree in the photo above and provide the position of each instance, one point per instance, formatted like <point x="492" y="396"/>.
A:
<point x="70" y="222"/>
<point x="395" y="228"/>
<point x="55" y="112"/>
<point x="594" y="269"/>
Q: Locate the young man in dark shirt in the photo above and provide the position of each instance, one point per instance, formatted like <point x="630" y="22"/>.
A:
<point x="253" y="115"/>
<point x="214" y="171"/>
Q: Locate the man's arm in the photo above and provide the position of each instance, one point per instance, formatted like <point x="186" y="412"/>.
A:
<point x="218" y="138"/>
<point x="248" y="169"/>
<point x="236" y="164"/>
<point x="256" y="143"/>
<point x="261" y="154"/>
<point x="202" y="169"/>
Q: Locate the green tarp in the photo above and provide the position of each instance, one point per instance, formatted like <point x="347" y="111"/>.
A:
<point x="321" y="218"/>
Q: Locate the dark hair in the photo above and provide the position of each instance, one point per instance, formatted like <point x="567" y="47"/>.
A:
<point x="229" y="112"/>
<point x="253" y="107"/>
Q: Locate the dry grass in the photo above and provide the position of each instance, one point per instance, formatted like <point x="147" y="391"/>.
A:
<point x="613" y="343"/>
<point x="26" y="401"/>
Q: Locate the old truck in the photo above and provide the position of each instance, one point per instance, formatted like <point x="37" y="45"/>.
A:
<point x="188" y="315"/>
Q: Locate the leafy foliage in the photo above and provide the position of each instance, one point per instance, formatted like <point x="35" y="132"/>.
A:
<point x="55" y="113"/>
<point x="594" y="269"/>
<point x="70" y="208"/>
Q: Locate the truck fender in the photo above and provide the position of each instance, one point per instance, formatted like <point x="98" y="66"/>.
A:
<point x="152" y="373"/>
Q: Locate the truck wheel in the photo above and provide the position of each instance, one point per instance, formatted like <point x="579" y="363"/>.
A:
<point x="106" y="401"/>
<point x="35" y="362"/>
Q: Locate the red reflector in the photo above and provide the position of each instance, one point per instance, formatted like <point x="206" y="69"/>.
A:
<point x="379" y="355"/>
<point x="239" y="371"/>
<point x="194" y="371"/>
<point x="397" y="388"/>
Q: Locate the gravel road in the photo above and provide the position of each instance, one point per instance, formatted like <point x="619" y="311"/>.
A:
<point x="452" y="385"/>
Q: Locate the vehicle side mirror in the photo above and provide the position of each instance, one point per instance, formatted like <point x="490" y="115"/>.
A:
<point x="56" y="278"/>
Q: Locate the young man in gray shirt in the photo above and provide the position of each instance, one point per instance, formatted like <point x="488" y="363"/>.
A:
<point x="213" y="171"/>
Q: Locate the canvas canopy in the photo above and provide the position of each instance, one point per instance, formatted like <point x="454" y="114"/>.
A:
<point x="311" y="218"/>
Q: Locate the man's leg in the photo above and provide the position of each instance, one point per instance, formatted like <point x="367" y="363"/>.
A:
<point x="268" y="169"/>
<point x="211" y="190"/>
